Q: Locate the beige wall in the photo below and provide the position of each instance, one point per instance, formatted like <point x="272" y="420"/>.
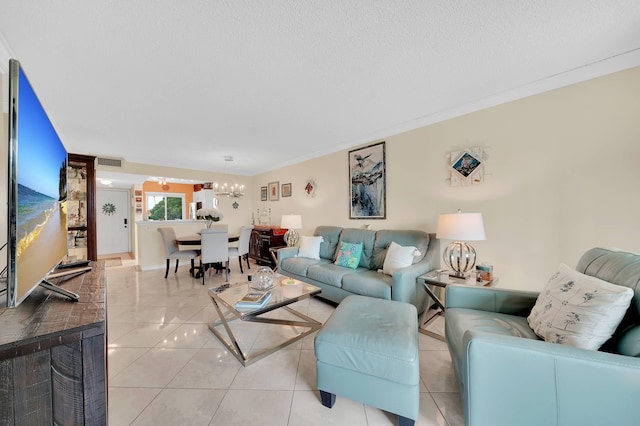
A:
<point x="561" y="176"/>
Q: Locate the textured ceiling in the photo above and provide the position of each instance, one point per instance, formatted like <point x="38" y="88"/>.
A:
<point x="185" y="83"/>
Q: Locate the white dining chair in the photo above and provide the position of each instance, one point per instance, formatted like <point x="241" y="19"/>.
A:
<point x="172" y="251"/>
<point x="214" y="248"/>
<point x="242" y="249"/>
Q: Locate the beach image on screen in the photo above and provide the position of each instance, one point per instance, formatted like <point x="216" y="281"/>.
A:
<point x="41" y="217"/>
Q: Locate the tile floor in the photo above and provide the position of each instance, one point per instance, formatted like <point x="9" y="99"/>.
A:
<point x="167" y="368"/>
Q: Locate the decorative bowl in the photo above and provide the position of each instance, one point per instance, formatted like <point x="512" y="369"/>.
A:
<point x="263" y="278"/>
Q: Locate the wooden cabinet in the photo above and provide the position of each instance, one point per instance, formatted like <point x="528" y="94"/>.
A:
<point x="262" y="239"/>
<point x="81" y="213"/>
<point x="53" y="365"/>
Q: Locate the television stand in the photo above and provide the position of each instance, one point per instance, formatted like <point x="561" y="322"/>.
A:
<point x="64" y="273"/>
<point x="57" y="289"/>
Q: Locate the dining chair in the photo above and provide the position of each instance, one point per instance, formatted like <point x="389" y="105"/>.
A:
<point x="242" y="249"/>
<point x="214" y="248"/>
<point x="172" y="251"/>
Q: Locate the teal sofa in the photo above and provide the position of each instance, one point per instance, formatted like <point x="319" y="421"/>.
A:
<point x="508" y="376"/>
<point x="338" y="282"/>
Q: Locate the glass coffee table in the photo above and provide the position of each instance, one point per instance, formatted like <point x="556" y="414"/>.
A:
<point x="284" y="292"/>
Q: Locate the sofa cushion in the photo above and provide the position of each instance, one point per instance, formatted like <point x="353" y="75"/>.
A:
<point x="384" y="237"/>
<point x="364" y="236"/>
<point x="331" y="237"/>
<point x="621" y="268"/>
<point x="579" y="310"/>
<point x="349" y="254"/>
<point x="300" y="265"/>
<point x="328" y="273"/>
<point x="398" y="257"/>
<point x="460" y="320"/>
<point x="368" y="283"/>
<point x="310" y="247"/>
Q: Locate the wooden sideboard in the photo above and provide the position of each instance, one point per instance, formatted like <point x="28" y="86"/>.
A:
<point x="53" y="359"/>
<point x="262" y="239"/>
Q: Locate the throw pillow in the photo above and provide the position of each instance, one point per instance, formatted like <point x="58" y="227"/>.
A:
<point x="310" y="247"/>
<point x="578" y="310"/>
<point x="349" y="255"/>
<point x="398" y="257"/>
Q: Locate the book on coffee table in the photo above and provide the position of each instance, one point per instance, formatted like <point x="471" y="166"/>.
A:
<point x="253" y="300"/>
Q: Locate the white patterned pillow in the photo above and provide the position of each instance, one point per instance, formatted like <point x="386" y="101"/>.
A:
<point x="578" y="310"/>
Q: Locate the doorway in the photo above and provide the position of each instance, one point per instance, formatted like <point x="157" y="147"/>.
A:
<point x="113" y="224"/>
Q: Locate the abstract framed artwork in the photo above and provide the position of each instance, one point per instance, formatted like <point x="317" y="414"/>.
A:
<point x="263" y="193"/>
<point x="285" y="190"/>
<point x="368" y="182"/>
<point x="274" y="194"/>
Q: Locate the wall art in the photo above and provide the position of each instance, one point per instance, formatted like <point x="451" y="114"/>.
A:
<point x="263" y="193"/>
<point x="285" y="190"/>
<point x="466" y="166"/>
<point x="368" y="181"/>
<point x="310" y="188"/>
<point x="274" y="194"/>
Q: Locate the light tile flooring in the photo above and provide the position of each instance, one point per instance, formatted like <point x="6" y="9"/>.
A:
<point x="167" y="368"/>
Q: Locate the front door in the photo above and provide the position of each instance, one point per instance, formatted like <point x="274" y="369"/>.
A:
<point x="112" y="211"/>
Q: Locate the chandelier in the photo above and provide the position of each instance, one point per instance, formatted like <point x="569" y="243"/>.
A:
<point x="228" y="190"/>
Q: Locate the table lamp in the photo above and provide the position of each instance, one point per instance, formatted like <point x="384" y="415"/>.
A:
<point x="459" y="256"/>
<point x="291" y="222"/>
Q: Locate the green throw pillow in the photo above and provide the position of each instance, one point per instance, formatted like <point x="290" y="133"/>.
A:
<point x="349" y="255"/>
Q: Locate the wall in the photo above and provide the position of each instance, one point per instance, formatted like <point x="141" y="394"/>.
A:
<point x="561" y="177"/>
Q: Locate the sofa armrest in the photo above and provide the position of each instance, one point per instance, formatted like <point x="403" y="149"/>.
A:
<point x="286" y="252"/>
<point x="506" y="301"/>
<point x="405" y="287"/>
<point x="512" y="380"/>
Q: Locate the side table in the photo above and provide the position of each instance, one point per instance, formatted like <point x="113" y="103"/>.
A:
<point x="441" y="279"/>
<point x="274" y="255"/>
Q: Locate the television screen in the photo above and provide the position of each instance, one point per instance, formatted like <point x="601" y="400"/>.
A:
<point x="37" y="193"/>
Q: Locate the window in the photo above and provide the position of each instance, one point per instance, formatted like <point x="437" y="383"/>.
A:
<point x="165" y="206"/>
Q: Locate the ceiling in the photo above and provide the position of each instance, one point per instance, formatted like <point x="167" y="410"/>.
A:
<point x="272" y="83"/>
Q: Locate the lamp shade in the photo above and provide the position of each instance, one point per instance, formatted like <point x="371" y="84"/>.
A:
<point x="291" y="221"/>
<point x="460" y="227"/>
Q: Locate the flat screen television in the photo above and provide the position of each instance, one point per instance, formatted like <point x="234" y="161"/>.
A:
<point x="37" y="192"/>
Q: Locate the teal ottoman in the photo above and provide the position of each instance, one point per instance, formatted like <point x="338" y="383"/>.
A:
<point x="368" y="351"/>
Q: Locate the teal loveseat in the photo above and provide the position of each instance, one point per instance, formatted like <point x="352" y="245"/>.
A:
<point x="508" y="376"/>
<point x="338" y="282"/>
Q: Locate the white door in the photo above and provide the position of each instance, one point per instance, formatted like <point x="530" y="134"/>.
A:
<point x="112" y="211"/>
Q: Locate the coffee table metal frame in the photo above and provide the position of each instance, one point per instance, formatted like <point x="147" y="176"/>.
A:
<point x="224" y="298"/>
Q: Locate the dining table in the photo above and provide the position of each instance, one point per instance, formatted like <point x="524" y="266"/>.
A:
<point x="193" y="242"/>
<point x="195" y="239"/>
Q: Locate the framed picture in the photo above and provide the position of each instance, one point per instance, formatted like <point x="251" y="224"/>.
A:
<point x="310" y="188"/>
<point x="286" y="190"/>
<point x="466" y="166"/>
<point x="368" y="181"/>
<point x="263" y="193"/>
<point x="273" y="191"/>
<point x="138" y="193"/>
